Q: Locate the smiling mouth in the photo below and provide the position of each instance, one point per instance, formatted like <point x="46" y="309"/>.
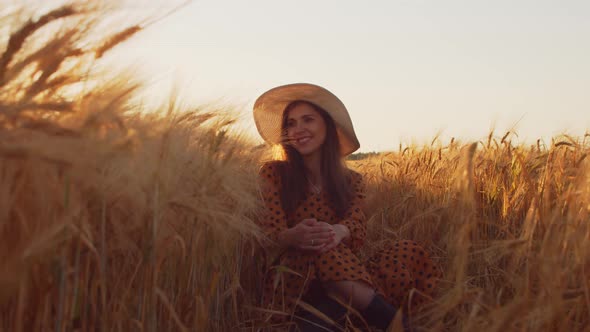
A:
<point x="302" y="140"/>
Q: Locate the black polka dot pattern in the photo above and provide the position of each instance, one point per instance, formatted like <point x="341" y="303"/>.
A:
<point x="274" y="220"/>
<point x="394" y="271"/>
<point x="400" y="267"/>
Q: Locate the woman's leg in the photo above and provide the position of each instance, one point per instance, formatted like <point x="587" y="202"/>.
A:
<point x="400" y="267"/>
<point x="373" y="307"/>
<point x="308" y="321"/>
<point x="343" y="276"/>
<point x="358" y="293"/>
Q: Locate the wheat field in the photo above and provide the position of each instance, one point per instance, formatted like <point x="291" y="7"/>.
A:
<point x="118" y="217"/>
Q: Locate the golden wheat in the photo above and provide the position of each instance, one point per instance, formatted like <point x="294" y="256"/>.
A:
<point x="114" y="217"/>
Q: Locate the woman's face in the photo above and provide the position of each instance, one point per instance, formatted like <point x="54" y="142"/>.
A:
<point x="306" y="129"/>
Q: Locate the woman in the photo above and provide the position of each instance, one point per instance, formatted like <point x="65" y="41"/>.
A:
<point x="315" y="223"/>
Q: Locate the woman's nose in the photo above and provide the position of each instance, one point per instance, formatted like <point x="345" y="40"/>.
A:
<point x="297" y="128"/>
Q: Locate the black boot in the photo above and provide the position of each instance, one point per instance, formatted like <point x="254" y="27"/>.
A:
<point x="380" y="314"/>
<point x="309" y="322"/>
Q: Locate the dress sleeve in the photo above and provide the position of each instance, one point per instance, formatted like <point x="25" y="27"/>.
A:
<point x="273" y="219"/>
<point x="355" y="218"/>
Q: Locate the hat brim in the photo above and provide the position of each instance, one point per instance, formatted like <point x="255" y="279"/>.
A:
<point x="269" y="108"/>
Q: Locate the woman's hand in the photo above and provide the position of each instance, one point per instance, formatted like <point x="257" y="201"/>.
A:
<point x="309" y="235"/>
<point x="341" y="232"/>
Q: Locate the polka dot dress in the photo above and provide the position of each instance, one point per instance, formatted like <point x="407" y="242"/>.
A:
<point x="394" y="272"/>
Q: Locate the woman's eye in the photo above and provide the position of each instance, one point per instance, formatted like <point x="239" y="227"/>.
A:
<point x="290" y="124"/>
<point x="308" y="120"/>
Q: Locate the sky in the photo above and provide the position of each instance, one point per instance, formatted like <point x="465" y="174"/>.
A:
<point x="406" y="70"/>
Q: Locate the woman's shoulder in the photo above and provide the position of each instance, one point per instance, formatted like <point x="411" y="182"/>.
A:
<point x="354" y="176"/>
<point x="271" y="168"/>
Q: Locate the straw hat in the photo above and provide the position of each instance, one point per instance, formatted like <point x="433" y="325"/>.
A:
<point x="269" y="107"/>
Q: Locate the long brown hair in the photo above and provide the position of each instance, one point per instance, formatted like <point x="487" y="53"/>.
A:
<point x="334" y="173"/>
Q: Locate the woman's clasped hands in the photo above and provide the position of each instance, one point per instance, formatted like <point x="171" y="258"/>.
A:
<point x="316" y="236"/>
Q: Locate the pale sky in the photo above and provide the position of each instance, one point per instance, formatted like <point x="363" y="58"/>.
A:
<point x="406" y="70"/>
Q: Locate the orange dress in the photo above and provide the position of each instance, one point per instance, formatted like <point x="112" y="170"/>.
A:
<point x="393" y="271"/>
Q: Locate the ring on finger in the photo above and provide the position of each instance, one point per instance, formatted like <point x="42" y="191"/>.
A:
<point x="312" y="242"/>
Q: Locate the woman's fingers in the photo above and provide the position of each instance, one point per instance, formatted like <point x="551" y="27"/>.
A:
<point x="320" y="230"/>
<point x="316" y="241"/>
<point x="311" y="226"/>
<point x="315" y="247"/>
<point x="335" y="241"/>
<point x="319" y="234"/>
<point x="323" y="223"/>
<point x="315" y="235"/>
<point x="328" y="247"/>
<point x="323" y="235"/>
<point x="309" y="222"/>
<point x="316" y="244"/>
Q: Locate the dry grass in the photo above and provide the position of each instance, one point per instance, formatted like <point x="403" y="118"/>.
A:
<point x="111" y="216"/>
<point x="510" y="226"/>
<point x="115" y="218"/>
